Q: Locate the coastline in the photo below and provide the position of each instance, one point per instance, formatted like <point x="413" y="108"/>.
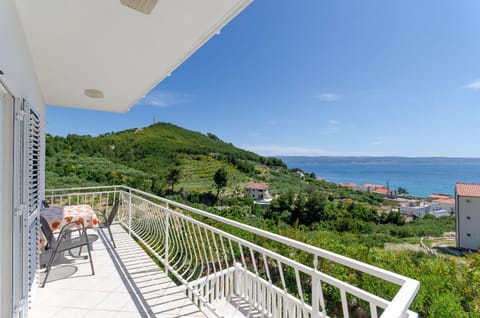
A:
<point x="421" y="176"/>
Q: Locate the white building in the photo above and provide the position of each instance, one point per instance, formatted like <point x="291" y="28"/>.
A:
<point x="468" y="215"/>
<point x="447" y="204"/>
<point x="298" y="174"/>
<point x="258" y="192"/>
<point x="421" y="208"/>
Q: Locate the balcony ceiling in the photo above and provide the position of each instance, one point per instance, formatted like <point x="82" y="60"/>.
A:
<point x="77" y="45"/>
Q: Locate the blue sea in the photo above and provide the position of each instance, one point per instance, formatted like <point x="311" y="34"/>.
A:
<point x="420" y="176"/>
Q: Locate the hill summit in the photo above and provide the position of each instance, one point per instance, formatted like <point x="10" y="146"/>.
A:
<point x="144" y="157"/>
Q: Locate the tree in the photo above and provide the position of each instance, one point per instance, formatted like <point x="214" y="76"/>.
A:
<point x="220" y="179"/>
<point x="402" y="190"/>
<point x="173" y="176"/>
<point x="212" y="136"/>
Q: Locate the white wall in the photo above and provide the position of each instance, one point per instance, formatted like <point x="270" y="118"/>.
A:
<point x="448" y="207"/>
<point x="6" y="163"/>
<point x="16" y="64"/>
<point x="468" y="222"/>
<point x="19" y="78"/>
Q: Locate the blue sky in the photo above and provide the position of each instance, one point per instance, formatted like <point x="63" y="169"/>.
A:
<point x="313" y="77"/>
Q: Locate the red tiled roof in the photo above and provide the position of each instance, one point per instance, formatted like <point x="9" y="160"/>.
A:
<point x="381" y="191"/>
<point x="435" y="196"/>
<point x="468" y="189"/>
<point x="256" y="186"/>
<point x="445" y="200"/>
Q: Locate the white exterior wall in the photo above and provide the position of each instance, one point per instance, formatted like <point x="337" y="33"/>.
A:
<point x="413" y="210"/>
<point x="20" y="80"/>
<point x="6" y="164"/>
<point x="468" y="222"/>
<point x="256" y="194"/>
<point x="450" y="208"/>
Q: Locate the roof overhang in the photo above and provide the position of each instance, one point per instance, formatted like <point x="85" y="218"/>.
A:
<point x="83" y="49"/>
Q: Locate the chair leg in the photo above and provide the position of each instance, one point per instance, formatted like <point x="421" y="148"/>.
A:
<point x="49" y="267"/>
<point x="90" y="257"/>
<point x="111" y="237"/>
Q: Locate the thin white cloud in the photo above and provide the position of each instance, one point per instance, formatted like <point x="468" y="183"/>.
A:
<point x="475" y="85"/>
<point x="274" y="150"/>
<point x="376" y="143"/>
<point x="333" y="122"/>
<point x="162" y="99"/>
<point x="327" y="97"/>
<point x="332" y="127"/>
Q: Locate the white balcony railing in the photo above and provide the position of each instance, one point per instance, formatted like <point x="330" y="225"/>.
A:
<point x="217" y="267"/>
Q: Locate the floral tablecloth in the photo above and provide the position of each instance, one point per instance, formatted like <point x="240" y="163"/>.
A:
<point x="57" y="217"/>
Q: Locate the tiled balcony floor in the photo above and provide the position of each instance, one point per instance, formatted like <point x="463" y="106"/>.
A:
<point x="127" y="283"/>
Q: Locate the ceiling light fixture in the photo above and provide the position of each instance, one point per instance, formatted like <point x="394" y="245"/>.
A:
<point x="93" y="93"/>
<point x="144" y="6"/>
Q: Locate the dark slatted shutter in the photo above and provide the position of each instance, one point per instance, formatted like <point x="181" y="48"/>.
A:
<point x="27" y="154"/>
<point x="33" y="193"/>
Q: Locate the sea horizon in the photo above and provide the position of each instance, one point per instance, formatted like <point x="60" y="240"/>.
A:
<point x="421" y="176"/>
<point x="355" y="156"/>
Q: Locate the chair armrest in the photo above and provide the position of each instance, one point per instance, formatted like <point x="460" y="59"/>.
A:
<point x="70" y="227"/>
<point x="102" y="213"/>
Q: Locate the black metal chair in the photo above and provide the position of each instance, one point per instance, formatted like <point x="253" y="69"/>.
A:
<point x="108" y="219"/>
<point x="66" y="241"/>
<point x="45" y="204"/>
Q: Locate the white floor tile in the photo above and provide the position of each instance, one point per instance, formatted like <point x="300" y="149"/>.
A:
<point x="145" y="292"/>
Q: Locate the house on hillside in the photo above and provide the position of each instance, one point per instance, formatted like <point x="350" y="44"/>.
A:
<point x="377" y="189"/>
<point x="368" y="187"/>
<point x="258" y="191"/>
<point x="350" y="185"/>
<point x="421" y="208"/>
<point x="298" y="174"/>
<point x="467" y="213"/>
<point x="384" y="192"/>
<point x="447" y="204"/>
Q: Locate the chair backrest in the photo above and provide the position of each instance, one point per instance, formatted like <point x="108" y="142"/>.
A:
<point x="113" y="213"/>
<point x="47" y="231"/>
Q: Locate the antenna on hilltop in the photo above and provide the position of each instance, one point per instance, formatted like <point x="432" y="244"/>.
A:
<point x="154" y="120"/>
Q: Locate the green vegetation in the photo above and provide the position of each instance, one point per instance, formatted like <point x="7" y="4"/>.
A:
<point x="173" y="177"/>
<point x="188" y="166"/>
<point x="221" y="179"/>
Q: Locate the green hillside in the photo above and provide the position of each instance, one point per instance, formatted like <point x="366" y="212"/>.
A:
<point x="143" y="157"/>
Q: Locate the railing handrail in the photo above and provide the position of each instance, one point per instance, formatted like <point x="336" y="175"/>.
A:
<point x="399" y="303"/>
